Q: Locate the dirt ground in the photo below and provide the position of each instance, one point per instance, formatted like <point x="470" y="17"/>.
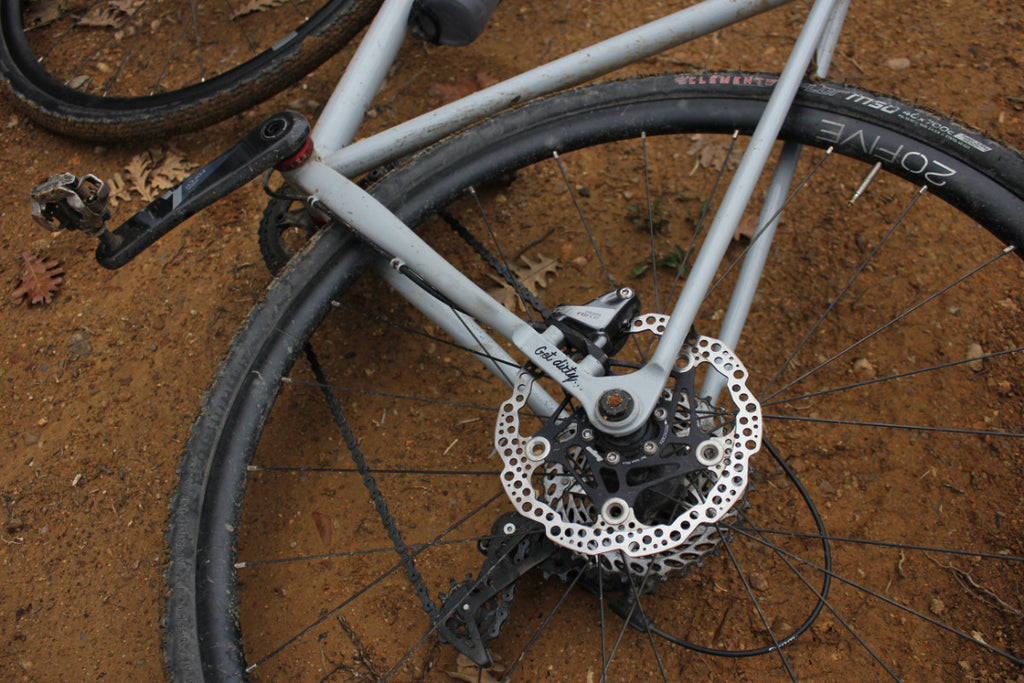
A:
<point x="100" y="386"/>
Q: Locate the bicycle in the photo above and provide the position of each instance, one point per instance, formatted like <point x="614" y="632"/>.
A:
<point x="644" y="497"/>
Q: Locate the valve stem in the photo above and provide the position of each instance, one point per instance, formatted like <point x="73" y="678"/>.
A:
<point x="867" y="181"/>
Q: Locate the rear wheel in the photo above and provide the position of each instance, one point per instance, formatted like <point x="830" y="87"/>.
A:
<point x="108" y="69"/>
<point x="850" y="501"/>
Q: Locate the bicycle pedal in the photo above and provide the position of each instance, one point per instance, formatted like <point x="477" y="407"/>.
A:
<point x="66" y="202"/>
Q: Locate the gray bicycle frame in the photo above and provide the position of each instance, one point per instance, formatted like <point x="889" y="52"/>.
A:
<point x="325" y="179"/>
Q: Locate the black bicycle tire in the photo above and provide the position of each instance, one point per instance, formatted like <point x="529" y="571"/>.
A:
<point x="987" y="187"/>
<point x="70" y="112"/>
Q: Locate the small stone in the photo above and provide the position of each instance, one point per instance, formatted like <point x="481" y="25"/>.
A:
<point x="974" y="354"/>
<point x="1009" y="304"/>
<point x="864" y="368"/>
<point x="79" y="346"/>
<point x="937" y="607"/>
<point x="898" y="63"/>
<point x="758" y="582"/>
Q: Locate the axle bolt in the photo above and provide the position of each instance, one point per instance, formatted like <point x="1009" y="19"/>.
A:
<point x="615" y="405"/>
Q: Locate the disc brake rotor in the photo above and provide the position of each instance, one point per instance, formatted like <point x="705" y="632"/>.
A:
<point x="652" y="506"/>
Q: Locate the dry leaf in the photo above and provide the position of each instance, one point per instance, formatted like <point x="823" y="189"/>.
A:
<point x="473" y="673"/>
<point x="41" y="13"/>
<point x="39" y="279"/>
<point x="111" y="13"/>
<point x="256" y="6"/>
<point x="746" y="228"/>
<point x="102" y="15"/>
<point x="533" y="275"/>
<point x="149" y="174"/>
<point x="712" y="152"/>
<point x="324" y="527"/>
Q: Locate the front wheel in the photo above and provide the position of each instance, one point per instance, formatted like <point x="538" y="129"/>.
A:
<point x="850" y="501"/>
<point x="111" y="70"/>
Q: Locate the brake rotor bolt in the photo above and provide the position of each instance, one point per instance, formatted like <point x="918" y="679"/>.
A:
<point x="509" y="529"/>
<point x="660" y="414"/>
<point x="613" y="458"/>
<point x="650" y="447"/>
<point x="587" y="434"/>
<point x="465" y="607"/>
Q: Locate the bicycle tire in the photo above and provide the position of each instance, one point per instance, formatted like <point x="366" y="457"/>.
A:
<point x="973" y="173"/>
<point x="64" y="74"/>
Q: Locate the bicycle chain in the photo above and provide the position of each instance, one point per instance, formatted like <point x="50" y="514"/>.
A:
<point x="503" y="270"/>
<point x="370" y="483"/>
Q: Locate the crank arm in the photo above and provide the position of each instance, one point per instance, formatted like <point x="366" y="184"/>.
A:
<point x="278" y="141"/>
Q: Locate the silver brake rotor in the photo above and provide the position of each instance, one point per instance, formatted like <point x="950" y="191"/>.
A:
<point x="544" y="491"/>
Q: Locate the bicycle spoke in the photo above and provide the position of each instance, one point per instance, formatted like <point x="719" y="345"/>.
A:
<point x="905" y="608"/>
<point x="893" y="425"/>
<point x="835" y="300"/>
<point x="881" y="328"/>
<point x="757" y="605"/>
<point x="889" y="378"/>
<point x="744" y="529"/>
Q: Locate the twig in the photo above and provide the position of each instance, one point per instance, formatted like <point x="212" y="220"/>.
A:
<point x="970" y="584"/>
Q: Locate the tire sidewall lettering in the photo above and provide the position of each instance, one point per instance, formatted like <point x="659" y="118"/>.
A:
<point x="873" y="147"/>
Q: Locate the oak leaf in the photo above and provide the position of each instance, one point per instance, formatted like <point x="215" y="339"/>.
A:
<point x="40" y="279"/>
<point x="532" y="274"/>
<point x="111" y="13"/>
<point x="256" y="6"/>
<point x="712" y="152"/>
<point x="467" y="670"/>
<point x="148" y="174"/>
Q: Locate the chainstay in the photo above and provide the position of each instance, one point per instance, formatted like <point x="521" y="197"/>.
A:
<point x="408" y="563"/>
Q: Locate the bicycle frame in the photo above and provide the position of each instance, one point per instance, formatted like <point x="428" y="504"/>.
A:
<point x="325" y="179"/>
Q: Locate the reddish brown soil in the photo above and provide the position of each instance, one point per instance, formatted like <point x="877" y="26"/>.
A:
<point x="98" y="388"/>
